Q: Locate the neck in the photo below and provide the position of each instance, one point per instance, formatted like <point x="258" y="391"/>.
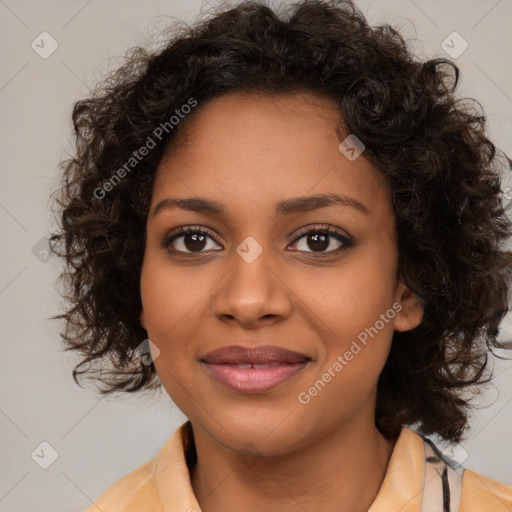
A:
<point x="346" y="466"/>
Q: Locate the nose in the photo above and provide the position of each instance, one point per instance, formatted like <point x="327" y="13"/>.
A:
<point x="254" y="291"/>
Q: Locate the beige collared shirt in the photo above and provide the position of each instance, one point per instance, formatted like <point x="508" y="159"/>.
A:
<point x="163" y="483"/>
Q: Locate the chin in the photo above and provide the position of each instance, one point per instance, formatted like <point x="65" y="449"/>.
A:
<point x="258" y="434"/>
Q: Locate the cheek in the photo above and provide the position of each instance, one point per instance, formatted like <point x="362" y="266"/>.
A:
<point x="165" y="315"/>
<point x="356" y="348"/>
<point x="170" y="298"/>
<point x="351" y="297"/>
<point x="356" y="324"/>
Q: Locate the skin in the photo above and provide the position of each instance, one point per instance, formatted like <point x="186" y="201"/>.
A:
<point x="269" y="451"/>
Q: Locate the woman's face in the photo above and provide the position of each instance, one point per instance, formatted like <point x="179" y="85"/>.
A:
<point x="256" y="278"/>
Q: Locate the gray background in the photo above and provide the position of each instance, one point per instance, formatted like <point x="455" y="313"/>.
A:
<point x="98" y="440"/>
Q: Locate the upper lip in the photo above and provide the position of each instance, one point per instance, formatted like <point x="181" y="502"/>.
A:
<point x="236" y="354"/>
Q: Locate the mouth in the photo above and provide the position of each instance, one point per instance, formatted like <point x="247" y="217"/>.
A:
<point x="255" y="370"/>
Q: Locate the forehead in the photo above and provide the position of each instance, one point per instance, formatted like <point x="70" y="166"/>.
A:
<point x="254" y="118"/>
<point x="249" y="150"/>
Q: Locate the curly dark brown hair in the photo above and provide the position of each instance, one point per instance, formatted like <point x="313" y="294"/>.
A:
<point x="431" y="147"/>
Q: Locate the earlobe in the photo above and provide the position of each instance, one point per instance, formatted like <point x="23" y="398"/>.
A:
<point x="411" y="313"/>
<point x="141" y="320"/>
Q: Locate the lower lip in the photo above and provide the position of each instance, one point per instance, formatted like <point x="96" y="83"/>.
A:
<point x="254" y="380"/>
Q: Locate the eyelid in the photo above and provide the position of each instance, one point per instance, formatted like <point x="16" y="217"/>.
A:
<point x="326" y="228"/>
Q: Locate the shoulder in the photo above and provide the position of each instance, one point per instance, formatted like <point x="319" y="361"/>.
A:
<point x="483" y="493"/>
<point x="162" y="483"/>
<point x="444" y="480"/>
<point x="134" y="492"/>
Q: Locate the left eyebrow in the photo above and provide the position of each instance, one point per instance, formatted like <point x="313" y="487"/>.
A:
<point x="309" y="203"/>
<point x="283" y="208"/>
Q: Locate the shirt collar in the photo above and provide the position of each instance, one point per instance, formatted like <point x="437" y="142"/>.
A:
<point x="172" y="475"/>
<point x="401" y="488"/>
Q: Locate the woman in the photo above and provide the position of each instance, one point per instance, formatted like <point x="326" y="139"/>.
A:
<point x="294" y="227"/>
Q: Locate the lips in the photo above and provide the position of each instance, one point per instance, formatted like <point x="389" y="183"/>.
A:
<point x="264" y="355"/>
<point x="253" y="370"/>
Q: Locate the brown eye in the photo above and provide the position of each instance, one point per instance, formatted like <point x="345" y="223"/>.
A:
<point x="194" y="242"/>
<point x="319" y="240"/>
<point x="187" y="240"/>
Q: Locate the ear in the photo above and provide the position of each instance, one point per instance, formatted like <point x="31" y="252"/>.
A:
<point x="411" y="314"/>
<point x="142" y="320"/>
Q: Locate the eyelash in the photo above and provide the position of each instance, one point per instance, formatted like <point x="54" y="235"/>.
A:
<point x="346" y="241"/>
